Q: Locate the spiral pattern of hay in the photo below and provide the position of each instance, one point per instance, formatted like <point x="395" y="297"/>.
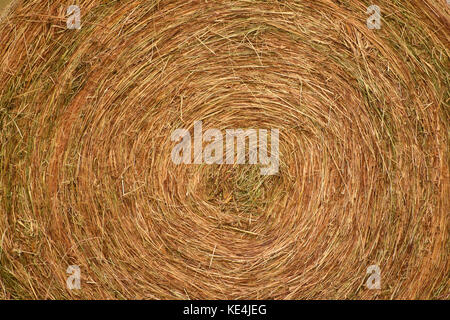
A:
<point x="86" y="176"/>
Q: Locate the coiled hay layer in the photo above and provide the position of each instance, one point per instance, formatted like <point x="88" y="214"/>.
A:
<point x="86" y="176"/>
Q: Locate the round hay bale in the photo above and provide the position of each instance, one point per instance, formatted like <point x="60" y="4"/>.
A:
<point x="86" y="176"/>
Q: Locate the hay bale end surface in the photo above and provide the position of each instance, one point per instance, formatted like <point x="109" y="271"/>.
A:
<point x="86" y="176"/>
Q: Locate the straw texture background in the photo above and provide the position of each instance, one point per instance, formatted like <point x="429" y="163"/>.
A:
<point x="86" y="176"/>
